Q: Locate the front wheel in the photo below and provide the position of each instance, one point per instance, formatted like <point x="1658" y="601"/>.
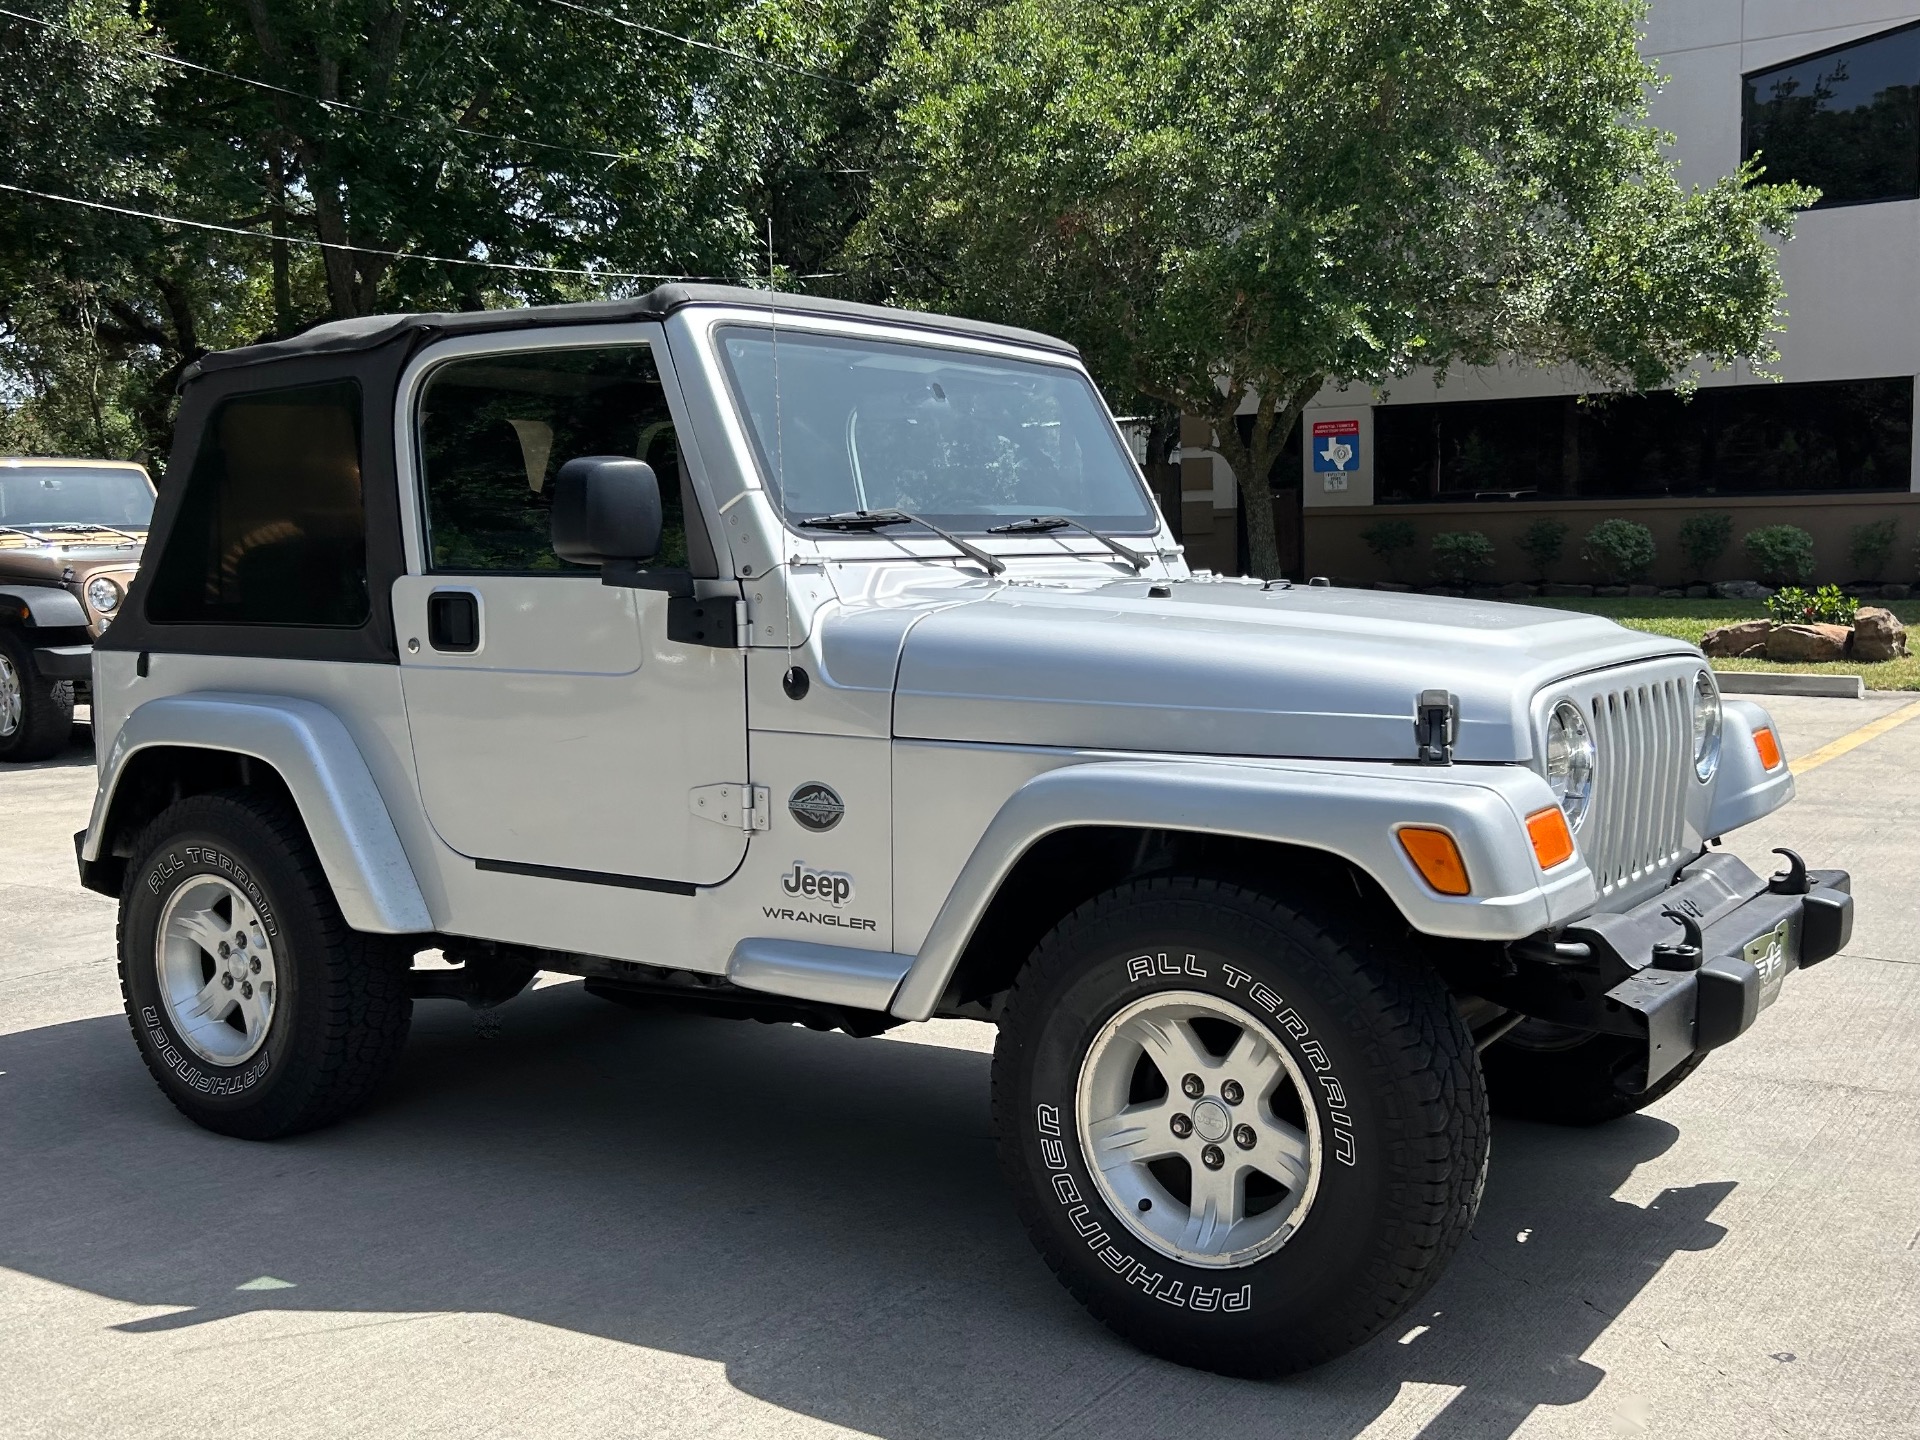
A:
<point x="36" y="715"/>
<point x="1243" y="1140"/>
<point x="256" y="1009"/>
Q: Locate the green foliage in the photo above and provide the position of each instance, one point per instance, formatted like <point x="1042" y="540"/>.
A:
<point x="1462" y="556"/>
<point x="1870" y="546"/>
<point x="1783" y="554"/>
<point x="1703" y="539"/>
<point x="1390" y="540"/>
<point x="1542" y="543"/>
<point x="1619" y="550"/>
<point x="1828" y="605"/>
<point x="1231" y="202"/>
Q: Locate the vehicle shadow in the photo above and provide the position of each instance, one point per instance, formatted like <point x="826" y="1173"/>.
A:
<point x="821" y="1214"/>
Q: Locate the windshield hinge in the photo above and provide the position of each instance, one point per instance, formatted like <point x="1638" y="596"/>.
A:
<point x="738" y="806"/>
<point x="1436" y="725"/>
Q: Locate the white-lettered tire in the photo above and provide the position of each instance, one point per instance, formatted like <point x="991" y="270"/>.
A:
<point x="1332" y="1081"/>
<point x="257" y="1010"/>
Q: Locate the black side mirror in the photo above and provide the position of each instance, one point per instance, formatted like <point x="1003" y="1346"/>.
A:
<point x="606" y="508"/>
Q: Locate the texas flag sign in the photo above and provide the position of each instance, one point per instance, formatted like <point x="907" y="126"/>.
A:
<point x="1336" y="445"/>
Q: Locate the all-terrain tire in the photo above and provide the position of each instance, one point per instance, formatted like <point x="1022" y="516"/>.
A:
<point x="45" y="722"/>
<point x="1386" y="1081"/>
<point x="1544" y="1073"/>
<point x="341" y="1001"/>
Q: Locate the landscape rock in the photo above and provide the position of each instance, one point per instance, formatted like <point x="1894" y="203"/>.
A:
<point x="1741" y="590"/>
<point x="1878" y="636"/>
<point x="1611" y="592"/>
<point x="1570" y="592"/>
<point x="1673" y="594"/>
<point x="1643" y="592"/>
<point x="1518" y="590"/>
<point x="1734" y="642"/>
<point x="1896" y="592"/>
<point x="1699" y="592"/>
<point x="1807" y="643"/>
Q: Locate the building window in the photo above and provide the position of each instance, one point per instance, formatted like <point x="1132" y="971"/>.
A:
<point x="1849" y="435"/>
<point x="1846" y="120"/>
<point x="272" y="529"/>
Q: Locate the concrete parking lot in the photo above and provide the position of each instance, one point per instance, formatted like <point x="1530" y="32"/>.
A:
<point x="587" y="1222"/>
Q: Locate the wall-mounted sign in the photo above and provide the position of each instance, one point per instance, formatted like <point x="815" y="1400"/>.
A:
<point x="1336" y="446"/>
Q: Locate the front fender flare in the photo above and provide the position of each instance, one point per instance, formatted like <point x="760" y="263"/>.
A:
<point x="48" y="607"/>
<point x="342" y="808"/>
<point x="1346" y="810"/>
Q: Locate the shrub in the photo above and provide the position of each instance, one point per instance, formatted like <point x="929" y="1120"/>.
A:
<point x="1869" y="547"/>
<point x="1541" y="542"/>
<point x="1621" y="551"/>
<point x="1783" y="554"/>
<point x="1826" y="606"/>
<point x="1390" y="540"/>
<point x="1462" y="556"/>
<point x="1702" y="540"/>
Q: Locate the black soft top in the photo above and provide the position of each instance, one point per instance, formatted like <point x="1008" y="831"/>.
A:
<point x="372" y="331"/>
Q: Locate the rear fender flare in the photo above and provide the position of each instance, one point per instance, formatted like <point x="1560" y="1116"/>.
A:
<point x="1351" y="811"/>
<point x="345" y="816"/>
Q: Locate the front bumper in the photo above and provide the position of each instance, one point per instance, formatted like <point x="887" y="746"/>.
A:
<point x="1621" y="974"/>
<point x="64" y="662"/>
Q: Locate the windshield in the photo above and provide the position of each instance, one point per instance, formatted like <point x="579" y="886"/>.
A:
<point x="33" y="495"/>
<point x="969" y="441"/>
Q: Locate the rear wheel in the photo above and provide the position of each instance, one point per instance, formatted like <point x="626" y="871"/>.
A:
<point x="36" y="715"/>
<point x="254" y="1006"/>
<point x="1244" y="1139"/>
<point x="1558" y="1076"/>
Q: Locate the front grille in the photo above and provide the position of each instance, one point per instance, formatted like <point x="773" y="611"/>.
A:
<point x="1644" y="734"/>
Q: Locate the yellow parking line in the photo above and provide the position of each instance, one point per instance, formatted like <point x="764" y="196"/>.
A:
<point x="1834" y="749"/>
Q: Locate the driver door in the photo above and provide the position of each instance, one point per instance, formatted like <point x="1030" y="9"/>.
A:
<point x="556" y="726"/>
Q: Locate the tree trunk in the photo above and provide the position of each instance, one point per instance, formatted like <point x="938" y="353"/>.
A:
<point x="1251" y="461"/>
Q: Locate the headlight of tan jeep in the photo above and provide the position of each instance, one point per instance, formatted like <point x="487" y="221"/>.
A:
<point x="1570" y="761"/>
<point x="103" y="594"/>
<point x="1706" y="727"/>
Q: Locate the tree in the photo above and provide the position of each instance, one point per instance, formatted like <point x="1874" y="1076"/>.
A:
<point x="1228" y="203"/>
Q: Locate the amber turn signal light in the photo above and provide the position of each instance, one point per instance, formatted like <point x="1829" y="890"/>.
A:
<point x="1768" y="745"/>
<point x="1552" y="840"/>
<point x="1436" y="857"/>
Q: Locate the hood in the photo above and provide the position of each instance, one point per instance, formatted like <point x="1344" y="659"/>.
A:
<point x="1223" y="667"/>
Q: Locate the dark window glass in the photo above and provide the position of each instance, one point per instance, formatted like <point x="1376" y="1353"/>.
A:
<point x="272" y="529"/>
<point x="1851" y="435"/>
<point x="495" y="430"/>
<point x="1846" y="120"/>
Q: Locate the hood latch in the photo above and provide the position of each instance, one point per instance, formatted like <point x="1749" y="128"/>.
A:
<point x="1436" y="725"/>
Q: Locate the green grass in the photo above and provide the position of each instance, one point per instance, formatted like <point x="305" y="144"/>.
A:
<point x="1689" y="620"/>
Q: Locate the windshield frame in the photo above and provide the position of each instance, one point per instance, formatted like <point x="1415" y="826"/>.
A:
<point x="43" y="468"/>
<point x="1148" y="527"/>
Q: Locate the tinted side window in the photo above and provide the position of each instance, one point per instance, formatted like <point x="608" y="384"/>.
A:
<point x="1846" y="120"/>
<point x="272" y="529"/>
<point x="495" y="430"/>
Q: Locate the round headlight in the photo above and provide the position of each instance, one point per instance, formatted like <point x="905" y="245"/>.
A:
<point x="1570" y="761"/>
<point x="103" y="595"/>
<point x="1706" y="726"/>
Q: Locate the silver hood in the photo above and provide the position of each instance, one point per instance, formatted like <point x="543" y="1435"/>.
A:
<point x="1228" y="668"/>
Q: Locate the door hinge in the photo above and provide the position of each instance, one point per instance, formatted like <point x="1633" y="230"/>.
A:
<point x="737" y="806"/>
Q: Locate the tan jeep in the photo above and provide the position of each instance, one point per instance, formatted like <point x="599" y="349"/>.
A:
<point x="71" y="532"/>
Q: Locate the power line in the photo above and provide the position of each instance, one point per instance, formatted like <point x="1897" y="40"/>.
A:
<point x="355" y="249"/>
<point x="749" y="58"/>
<point x="326" y="104"/>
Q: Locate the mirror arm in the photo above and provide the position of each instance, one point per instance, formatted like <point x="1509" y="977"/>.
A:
<point x="628" y="575"/>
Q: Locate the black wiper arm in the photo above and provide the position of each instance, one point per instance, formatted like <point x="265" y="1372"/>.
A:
<point x="1045" y="524"/>
<point x="874" y="519"/>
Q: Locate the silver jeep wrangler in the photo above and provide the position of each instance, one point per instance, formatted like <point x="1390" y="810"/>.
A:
<point x="805" y="661"/>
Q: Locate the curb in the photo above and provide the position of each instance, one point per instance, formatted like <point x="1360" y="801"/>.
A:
<point x="1767" y="682"/>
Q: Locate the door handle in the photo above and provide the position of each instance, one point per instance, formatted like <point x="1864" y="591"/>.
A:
<point x="453" y="621"/>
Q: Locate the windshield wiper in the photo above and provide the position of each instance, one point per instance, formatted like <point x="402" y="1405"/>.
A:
<point x="1045" y="524"/>
<point x="86" y="529"/>
<point x="874" y="519"/>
